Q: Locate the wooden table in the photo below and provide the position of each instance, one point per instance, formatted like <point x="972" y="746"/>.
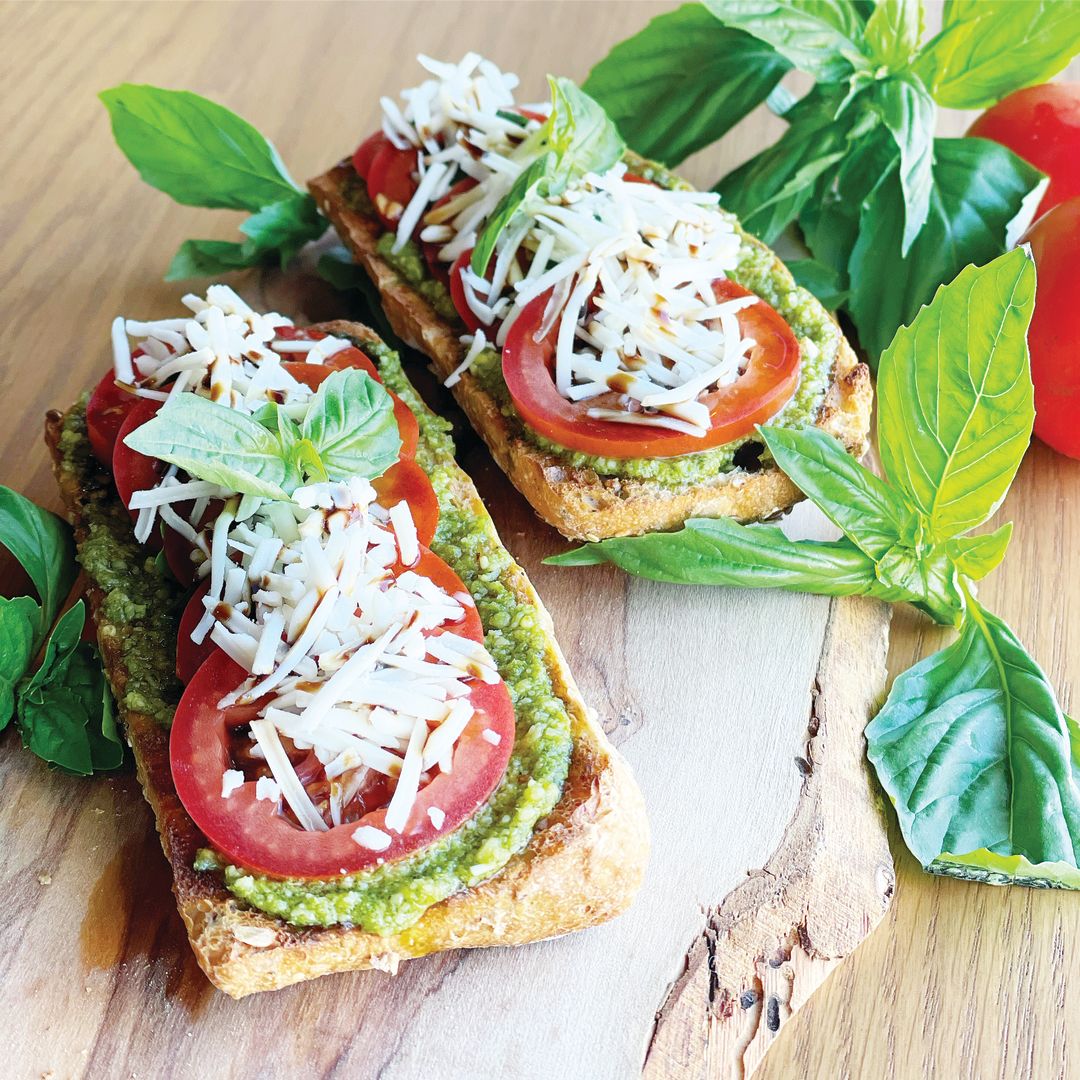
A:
<point x="960" y="980"/>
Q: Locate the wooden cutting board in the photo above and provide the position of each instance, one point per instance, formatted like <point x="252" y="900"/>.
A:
<point x="741" y="714"/>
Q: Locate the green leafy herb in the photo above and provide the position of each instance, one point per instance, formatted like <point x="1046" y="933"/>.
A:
<point x="823" y="281"/>
<point x="577" y="138"/>
<point x="888" y="210"/>
<point x="682" y="82"/>
<point x="202" y="154"/>
<point x="952" y="435"/>
<point x="349" y="430"/>
<point x="63" y="710"/>
<point x="351" y="426"/>
<point x="975" y="753"/>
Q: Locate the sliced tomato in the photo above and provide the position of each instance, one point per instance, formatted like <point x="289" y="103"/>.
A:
<point x="189" y="656"/>
<point x="770" y="379"/>
<point x="407" y="482"/>
<point x="256" y="834"/>
<point x="429" y="565"/>
<point x="133" y="471"/>
<point x="532" y="114"/>
<point x="106" y="411"/>
<point x="366" y="151"/>
<point x="390" y="182"/>
<point x="457" y="293"/>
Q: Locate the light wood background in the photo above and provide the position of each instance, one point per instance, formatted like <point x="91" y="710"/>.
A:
<point x="960" y="980"/>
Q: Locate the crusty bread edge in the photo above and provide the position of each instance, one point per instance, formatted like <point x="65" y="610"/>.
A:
<point x="579" y="503"/>
<point x="582" y="866"/>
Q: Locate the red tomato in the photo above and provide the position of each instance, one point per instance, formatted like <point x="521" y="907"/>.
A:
<point x="366" y="151"/>
<point x="132" y="471"/>
<point x="430" y="250"/>
<point x="429" y="565"/>
<point x="390" y="182"/>
<point x="105" y="413"/>
<point x="256" y="834"/>
<point x="1054" y="335"/>
<point x="768" y="382"/>
<point x="457" y="293"/>
<point x="189" y="656"/>
<point x="407" y="482"/>
<point x="1042" y="125"/>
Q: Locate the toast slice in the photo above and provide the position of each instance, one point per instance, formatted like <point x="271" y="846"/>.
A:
<point x="582" y="867"/>
<point x="579" y="502"/>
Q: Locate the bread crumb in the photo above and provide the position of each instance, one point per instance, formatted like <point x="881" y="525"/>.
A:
<point x="258" y="937"/>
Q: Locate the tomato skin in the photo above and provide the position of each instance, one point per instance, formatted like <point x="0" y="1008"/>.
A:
<point x="189" y="656"/>
<point x="366" y="151"/>
<point x="457" y="294"/>
<point x="254" y="834"/>
<point x="768" y="383"/>
<point x="133" y="471"/>
<point x="106" y="412"/>
<point x="407" y="482"/>
<point x="1042" y="125"/>
<point x="1054" y="334"/>
<point x="430" y="250"/>
<point x="390" y="182"/>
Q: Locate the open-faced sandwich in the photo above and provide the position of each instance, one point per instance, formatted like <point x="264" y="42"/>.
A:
<point x="612" y="334"/>
<point x="358" y="735"/>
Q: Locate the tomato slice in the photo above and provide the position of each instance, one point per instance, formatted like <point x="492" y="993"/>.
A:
<point x="407" y="482"/>
<point x="390" y="182"/>
<point x="770" y="379"/>
<point x="366" y="151"/>
<point x="439" y="269"/>
<point x="457" y="294"/>
<point x="189" y="656"/>
<point x="106" y="411"/>
<point x="429" y="565"/>
<point x="133" y="471"/>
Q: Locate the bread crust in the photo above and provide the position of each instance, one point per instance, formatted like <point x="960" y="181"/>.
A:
<point x="581" y="504"/>
<point x="581" y="868"/>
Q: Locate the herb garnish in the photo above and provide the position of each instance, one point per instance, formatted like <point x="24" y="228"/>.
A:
<point x="63" y="710"/>
<point x="888" y="211"/>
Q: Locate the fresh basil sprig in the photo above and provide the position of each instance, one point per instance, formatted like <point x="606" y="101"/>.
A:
<point x="971" y="744"/>
<point x="888" y="211"/>
<point x="63" y="710"/>
<point x="577" y="138"/>
<point x="202" y="154"/>
<point x="349" y="430"/>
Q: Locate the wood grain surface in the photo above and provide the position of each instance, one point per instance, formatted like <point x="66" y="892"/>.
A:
<point x="961" y="980"/>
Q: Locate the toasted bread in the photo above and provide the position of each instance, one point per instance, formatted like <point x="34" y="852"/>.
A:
<point x="581" y="867"/>
<point x="579" y="502"/>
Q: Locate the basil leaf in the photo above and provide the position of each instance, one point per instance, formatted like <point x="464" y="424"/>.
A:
<point x="206" y="258"/>
<point x="927" y="578"/>
<point x="894" y="30"/>
<point x="218" y="444"/>
<point x="283" y="227"/>
<point x="506" y="210"/>
<point x="974" y="751"/>
<point x="976" y="556"/>
<point x="909" y="113"/>
<point x="194" y="150"/>
<point x="19" y="622"/>
<point x="823" y="281"/>
<point x="979" y="188"/>
<point x="351" y="425"/>
<point x="682" y="82"/>
<point x="719" y="551"/>
<point x="65" y="713"/>
<point x="43" y="546"/>
<point x="772" y="188"/>
<point x="580" y="132"/>
<point x="955" y="401"/>
<point x="816" y="36"/>
<point x="859" y="503"/>
<point x="988" y="48"/>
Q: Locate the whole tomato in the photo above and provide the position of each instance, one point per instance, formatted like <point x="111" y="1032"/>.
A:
<point x="1042" y="125"/>
<point x="1054" y="336"/>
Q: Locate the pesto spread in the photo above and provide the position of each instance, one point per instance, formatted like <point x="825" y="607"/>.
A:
<point x="142" y="610"/>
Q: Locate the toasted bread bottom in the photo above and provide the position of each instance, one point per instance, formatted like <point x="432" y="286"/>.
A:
<point x="580" y="503"/>
<point x="582" y="867"/>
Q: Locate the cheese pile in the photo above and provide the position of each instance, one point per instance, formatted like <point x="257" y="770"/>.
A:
<point x="630" y="266"/>
<point x="306" y="595"/>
